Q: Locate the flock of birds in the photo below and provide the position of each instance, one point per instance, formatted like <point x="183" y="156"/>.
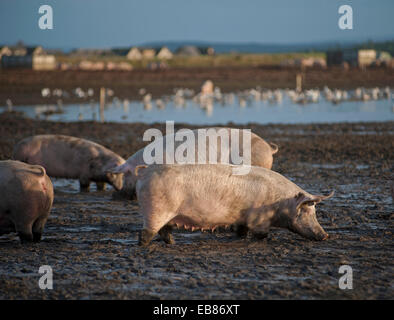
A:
<point x="206" y="98"/>
<point x="209" y="95"/>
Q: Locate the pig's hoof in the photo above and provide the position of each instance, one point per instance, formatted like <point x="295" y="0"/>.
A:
<point x="242" y="231"/>
<point x="37" y="237"/>
<point x="25" y="238"/>
<point x="166" y="236"/>
<point x="260" y="235"/>
<point x="145" y="237"/>
<point x="100" y="186"/>
<point x="169" y="239"/>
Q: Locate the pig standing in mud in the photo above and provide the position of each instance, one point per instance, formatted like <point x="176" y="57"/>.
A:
<point x="71" y="158"/>
<point x="208" y="196"/>
<point x="261" y="153"/>
<point x="26" y="199"/>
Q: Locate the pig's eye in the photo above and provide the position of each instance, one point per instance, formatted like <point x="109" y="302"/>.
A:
<point x="303" y="210"/>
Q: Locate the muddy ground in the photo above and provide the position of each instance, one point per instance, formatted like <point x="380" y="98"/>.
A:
<point x="90" y="239"/>
<point x="23" y="87"/>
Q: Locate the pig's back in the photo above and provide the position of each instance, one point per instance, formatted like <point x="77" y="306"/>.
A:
<point x="19" y="182"/>
<point x="218" y="182"/>
<point x="61" y="156"/>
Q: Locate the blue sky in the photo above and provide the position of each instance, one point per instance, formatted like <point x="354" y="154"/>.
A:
<point x="107" y="23"/>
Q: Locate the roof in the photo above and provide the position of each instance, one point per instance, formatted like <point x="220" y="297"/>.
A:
<point x="188" y="51"/>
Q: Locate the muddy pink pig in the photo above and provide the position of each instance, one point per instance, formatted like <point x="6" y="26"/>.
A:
<point x="71" y="158"/>
<point x="26" y="197"/>
<point x="261" y="154"/>
<point x="209" y="196"/>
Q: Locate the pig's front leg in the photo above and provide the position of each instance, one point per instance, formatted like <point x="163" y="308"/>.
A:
<point x="259" y="222"/>
<point x="260" y="232"/>
<point x="145" y="237"/>
<point x="260" y="235"/>
<point x="155" y="222"/>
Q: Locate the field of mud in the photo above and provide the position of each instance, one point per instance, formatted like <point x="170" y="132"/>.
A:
<point x="90" y="239"/>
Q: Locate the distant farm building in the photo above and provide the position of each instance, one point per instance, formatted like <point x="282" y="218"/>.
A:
<point x="5" y="51"/>
<point x="188" y="51"/>
<point x="209" y="51"/>
<point x="139" y="53"/>
<point x="44" y="62"/>
<point x="164" y="54"/>
<point x="304" y="63"/>
<point x="27" y="57"/>
<point x="334" y="58"/>
<point x="360" y="58"/>
<point x="134" y="54"/>
<point x="148" y="53"/>
<point x="83" y="53"/>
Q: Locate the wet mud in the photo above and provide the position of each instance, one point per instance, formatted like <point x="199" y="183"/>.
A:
<point x="90" y="240"/>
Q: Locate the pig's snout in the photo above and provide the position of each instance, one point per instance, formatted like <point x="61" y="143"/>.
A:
<point x="317" y="234"/>
<point x="321" y="236"/>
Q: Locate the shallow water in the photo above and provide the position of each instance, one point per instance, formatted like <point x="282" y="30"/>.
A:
<point x="191" y="112"/>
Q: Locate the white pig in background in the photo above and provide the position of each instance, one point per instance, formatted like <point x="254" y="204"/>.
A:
<point x="209" y="196"/>
<point x="261" y="154"/>
<point x="71" y="158"/>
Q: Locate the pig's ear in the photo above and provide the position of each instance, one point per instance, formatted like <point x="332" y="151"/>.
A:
<point x="137" y="168"/>
<point x="274" y="148"/>
<point x="322" y="197"/>
<point x="303" y="199"/>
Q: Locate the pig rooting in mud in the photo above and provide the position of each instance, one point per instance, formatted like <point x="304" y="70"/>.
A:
<point x="302" y="219"/>
<point x="210" y="196"/>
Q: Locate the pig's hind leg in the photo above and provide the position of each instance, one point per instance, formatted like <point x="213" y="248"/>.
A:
<point x="84" y="184"/>
<point x="38" y="228"/>
<point x="165" y="234"/>
<point x="24" y="231"/>
<point x="100" y="186"/>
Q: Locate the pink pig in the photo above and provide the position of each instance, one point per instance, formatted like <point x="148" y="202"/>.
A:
<point x="208" y="196"/>
<point x="26" y="199"/>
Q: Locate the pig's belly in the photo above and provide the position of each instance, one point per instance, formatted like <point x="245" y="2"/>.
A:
<point x="63" y="170"/>
<point x="204" y="218"/>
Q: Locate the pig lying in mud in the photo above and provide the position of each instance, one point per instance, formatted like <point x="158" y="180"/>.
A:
<point x="71" y="158"/>
<point x="26" y="199"/>
<point x="208" y="196"/>
<point x="261" y="154"/>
